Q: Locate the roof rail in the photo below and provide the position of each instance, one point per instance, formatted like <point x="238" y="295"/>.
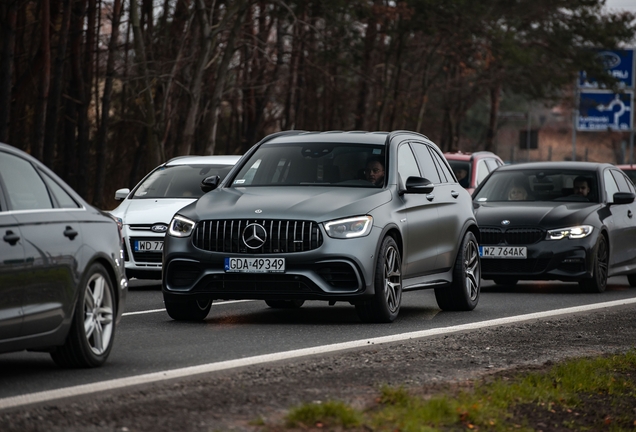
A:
<point x="399" y="132"/>
<point x="281" y="133"/>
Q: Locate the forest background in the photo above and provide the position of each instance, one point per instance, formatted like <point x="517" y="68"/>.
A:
<point x="102" y="91"/>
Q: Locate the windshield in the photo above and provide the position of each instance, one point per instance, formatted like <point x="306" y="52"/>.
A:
<point x="540" y="185"/>
<point x="178" y="181"/>
<point x="314" y="164"/>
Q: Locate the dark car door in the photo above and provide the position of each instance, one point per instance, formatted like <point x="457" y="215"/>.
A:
<point x="12" y="273"/>
<point x="623" y="229"/>
<point x="51" y="238"/>
<point x="422" y="219"/>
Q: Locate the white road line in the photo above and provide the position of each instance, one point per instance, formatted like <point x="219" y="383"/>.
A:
<point x="163" y="310"/>
<point x="154" y="377"/>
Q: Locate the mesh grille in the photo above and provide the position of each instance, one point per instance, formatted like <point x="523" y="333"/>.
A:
<point x="512" y="236"/>
<point x="514" y="266"/>
<point x="282" y="236"/>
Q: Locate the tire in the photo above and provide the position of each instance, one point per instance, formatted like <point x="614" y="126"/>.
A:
<point x="188" y="310"/>
<point x="385" y="304"/>
<point x="632" y="280"/>
<point x="92" y="333"/>
<point x="463" y="293"/>
<point x="506" y="281"/>
<point x="285" y="304"/>
<point x="598" y="282"/>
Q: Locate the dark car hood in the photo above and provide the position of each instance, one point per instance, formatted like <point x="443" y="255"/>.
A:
<point x="542" y="214"/>
<point x="309" y="203"/>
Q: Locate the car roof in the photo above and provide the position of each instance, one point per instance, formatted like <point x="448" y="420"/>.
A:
<point x="585" y="166"/>
<point x="204" y="160"/>
<point x="354" y="137"/>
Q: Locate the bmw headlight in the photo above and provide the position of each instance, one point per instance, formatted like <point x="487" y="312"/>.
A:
<point x="349" y="228"/>
<point x="180" y="226"/>
<point x="576" y="232"/>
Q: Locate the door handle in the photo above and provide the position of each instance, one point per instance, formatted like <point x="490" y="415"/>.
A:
<point x="70" y="232"/>
<point x="454" y="194"/>
<point x="11" y="238"/>
<point x="430" y="196"/>
<point x="629" y="214"/>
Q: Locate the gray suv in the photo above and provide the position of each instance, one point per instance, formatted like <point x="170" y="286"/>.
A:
<point x="357" y="217"/>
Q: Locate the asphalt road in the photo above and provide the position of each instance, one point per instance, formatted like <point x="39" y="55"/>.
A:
<point x="148" y="341"/>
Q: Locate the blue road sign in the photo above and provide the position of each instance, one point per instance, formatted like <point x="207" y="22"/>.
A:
<point x="618" y="63"/>
<point x="600" y="111"/>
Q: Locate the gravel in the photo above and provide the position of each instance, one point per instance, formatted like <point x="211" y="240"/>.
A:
<point x="244" y="399"/>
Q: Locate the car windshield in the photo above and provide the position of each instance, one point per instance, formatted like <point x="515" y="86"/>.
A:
<point x="178" y="181"/>
<point x="314" y="164"/>
<point x="540" y="185"/>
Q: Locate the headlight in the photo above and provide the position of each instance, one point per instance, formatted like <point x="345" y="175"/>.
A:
<point x="180" y="226"/>
<point x="576" y="232"/>
<point x="349" y="228"/>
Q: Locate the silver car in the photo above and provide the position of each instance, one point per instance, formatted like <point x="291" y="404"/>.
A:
<point x="145" y="212"/>
<point x="357" y="217"/>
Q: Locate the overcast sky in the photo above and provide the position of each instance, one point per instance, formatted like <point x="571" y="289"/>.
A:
<point x="628" y="5"/>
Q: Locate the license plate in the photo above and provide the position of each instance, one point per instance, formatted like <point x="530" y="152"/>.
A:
<point x="508" y="252"/>
<point x="255" y="265"/>
<point x="148" y="245"/>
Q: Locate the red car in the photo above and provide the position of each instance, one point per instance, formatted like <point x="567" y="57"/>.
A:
<point x="630" y="170"/>
<point x="472" y="168"/>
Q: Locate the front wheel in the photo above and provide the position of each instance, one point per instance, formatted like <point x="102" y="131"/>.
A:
<point x="598" y="282"/>
<point x="90" y="338"/>
<point x="463" y="293"/>
<point x="188" y="310"/>
<point x="385" y="304"/>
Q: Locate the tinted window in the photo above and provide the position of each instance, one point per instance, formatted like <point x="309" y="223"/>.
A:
<point x="540" y="185"/>
<point x="621" y="181"/>
<point x="407" y="166"/>
<point x="310" y="164"/>
<point x="427" y="166"/>
<point x="610" y="185"/>
<point x="25" y="188"/>
<point x="63" y="198"/>
<point x="444" y="172"/>
<point x="178" y="181"/>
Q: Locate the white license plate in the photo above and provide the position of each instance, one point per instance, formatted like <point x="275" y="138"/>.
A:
<point x="508" y="252"/>
<point x="148" y="245"/>
<point x="255" y="265"/>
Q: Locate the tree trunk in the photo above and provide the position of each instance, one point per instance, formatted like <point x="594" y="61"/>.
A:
<point x="55" y="95"/>
<point x="369" y="44"/>
<point x="8" y="15"/>
<point x="156" y="154"/>
<point x="105" y="123"/>
<point x="45" y="81"/>
<point x="495" y="98"/>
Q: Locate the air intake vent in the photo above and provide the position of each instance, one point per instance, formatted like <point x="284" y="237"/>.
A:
<point x="257" y="236"/>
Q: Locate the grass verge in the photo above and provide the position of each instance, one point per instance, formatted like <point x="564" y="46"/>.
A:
<point x="595" y="394"/>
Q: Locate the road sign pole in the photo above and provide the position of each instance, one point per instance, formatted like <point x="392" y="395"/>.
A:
<point x="575" y="119"/>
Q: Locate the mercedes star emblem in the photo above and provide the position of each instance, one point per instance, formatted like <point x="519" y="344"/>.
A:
<point x="254" y="236"/>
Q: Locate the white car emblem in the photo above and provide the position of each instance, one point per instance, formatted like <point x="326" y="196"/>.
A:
<point x="505" y="222"/>
<point x="258" y="211"/>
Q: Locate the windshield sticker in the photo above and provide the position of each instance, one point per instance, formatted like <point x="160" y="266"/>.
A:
<point x="239" y="181"/>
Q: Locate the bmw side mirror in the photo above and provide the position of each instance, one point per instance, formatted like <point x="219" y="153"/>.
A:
<point x="210" y="183"/>
<point x="121" y="194"/>
<point x="623" y="198"/>
<point x="419" y="185"/>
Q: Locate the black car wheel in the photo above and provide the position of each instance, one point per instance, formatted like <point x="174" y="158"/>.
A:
<point x="463" y="293"/>
<point x="506" y="281"/>
<point x="385" y="305"/>
<point x="632" y="280"/>
<point x="189" y="310"/>
<point x="598" y="282"/>
<point x="285" y="304"/>
<point x="92" y="332"/>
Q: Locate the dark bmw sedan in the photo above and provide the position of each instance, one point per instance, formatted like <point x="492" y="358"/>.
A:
<point x="568" y="221"/>
<point x="354" y="217"/>
<point x="62" y="282"/>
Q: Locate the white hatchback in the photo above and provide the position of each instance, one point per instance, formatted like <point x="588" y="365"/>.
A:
<point x="145" y="211"/>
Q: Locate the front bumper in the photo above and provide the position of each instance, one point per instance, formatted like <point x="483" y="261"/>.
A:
<point x="565" y="260"/>
<point x="142" y="265"/>
<point x="338" y="270"/>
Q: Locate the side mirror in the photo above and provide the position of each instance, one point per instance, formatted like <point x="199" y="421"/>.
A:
<point x="623" y="198"/>
<point x="121" y="194"/>
<point x="419" y="185"/>
<point x="210" y="183"/>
